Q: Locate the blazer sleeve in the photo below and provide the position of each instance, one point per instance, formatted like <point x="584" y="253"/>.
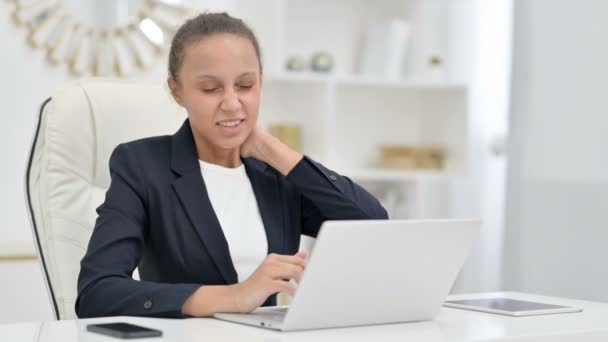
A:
<point x="327" y="195"/>
<point x="105" y="283"/>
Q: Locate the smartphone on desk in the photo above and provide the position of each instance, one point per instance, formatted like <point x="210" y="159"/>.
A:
<point x="123" y="330"/>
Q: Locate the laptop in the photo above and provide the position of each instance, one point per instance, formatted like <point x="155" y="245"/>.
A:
<point x="372" y="272"/>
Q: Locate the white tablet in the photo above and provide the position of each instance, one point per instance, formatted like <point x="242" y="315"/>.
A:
<point x="509" y="307"/>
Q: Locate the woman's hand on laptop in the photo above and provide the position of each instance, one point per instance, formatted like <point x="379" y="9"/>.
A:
<point x="272" y="276"/>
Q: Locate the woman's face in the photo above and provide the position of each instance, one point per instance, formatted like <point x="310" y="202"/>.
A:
<point x="219" y="85"/>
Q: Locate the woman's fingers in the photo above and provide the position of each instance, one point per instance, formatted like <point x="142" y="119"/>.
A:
<point x="302" y="254"/>
<point x="284" y="271"/>
<point x="286" y="266"/>
<point x="284" y="286"/>
<point x="288" y="259"/>
<point x="272" y="276"/>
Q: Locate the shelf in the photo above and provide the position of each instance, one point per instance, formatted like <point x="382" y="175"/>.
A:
<point x="324" y="79"/>
<point x="412" y="84"/>
<point x="305" y="77"/>
<point x="379" y="174"/>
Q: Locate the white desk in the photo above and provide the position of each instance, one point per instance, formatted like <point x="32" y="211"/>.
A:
<point x="449" y="325"/>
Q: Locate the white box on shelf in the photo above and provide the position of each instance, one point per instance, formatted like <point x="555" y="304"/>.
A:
<point x="384" y="53"/>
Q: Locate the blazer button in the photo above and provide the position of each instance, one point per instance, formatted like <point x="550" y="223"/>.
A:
<point x="333" y="178"/>
<point x="147" y="304"/>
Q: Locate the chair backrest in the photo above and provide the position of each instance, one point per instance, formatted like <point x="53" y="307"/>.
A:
<point x="68" y="173"/>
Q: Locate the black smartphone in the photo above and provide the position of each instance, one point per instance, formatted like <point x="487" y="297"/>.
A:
<point x="123" y="330"/>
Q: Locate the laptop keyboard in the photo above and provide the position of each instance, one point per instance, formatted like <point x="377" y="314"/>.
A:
<point x="277" y="314"/>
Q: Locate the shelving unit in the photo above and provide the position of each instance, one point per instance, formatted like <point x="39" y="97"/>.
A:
<point x="344" y="121"/>
<point x="345" y="118"/>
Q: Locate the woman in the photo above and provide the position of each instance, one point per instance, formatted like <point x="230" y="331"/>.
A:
<point x="212" y="215"/>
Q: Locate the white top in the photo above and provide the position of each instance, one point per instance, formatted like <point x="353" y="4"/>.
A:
<point x="236" y="208"/>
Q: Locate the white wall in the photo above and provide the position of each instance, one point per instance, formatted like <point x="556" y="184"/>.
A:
<point x="484" y="29"/>
<point x="23" y="293"/>
<point x="558" y="183"/>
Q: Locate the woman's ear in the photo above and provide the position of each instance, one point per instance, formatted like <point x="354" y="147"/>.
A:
<point x="176" y="91"/>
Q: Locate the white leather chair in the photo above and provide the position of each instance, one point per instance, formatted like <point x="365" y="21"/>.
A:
<point x="68" y="173"/>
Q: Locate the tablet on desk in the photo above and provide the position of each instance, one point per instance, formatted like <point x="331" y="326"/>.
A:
<point x="509" y="307"/>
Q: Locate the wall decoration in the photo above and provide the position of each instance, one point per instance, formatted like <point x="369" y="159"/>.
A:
<point x="100" y="51"/>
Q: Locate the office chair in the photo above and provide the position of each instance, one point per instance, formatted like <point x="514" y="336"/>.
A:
<point x="67" y="173"/>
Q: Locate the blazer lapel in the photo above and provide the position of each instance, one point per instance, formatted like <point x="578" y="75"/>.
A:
<point x="267" y="193"/>
<point x="193" y="196"/>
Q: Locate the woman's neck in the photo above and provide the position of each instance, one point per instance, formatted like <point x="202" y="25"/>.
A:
<point x="229" y="158"/>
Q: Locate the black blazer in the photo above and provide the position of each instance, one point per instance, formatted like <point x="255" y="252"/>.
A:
<point x="157" y="216"/>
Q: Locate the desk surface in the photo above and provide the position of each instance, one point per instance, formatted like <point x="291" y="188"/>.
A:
<point x="449" y="325"/>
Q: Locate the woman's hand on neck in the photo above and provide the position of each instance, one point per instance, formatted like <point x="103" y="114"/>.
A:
<point x="262" y="146"/>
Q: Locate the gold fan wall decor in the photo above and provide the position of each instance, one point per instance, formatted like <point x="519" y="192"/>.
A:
<point x="100" y="51"/>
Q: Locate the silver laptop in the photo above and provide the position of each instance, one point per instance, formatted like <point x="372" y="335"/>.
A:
<point x="373" y="272"/>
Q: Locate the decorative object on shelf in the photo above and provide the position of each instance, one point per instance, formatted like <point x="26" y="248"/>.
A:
<point x="295" y="63"/>
<point x="288" y="134"/>
<point x="413" y="157"/>
<point x="88" y="49"/>
<point x="384" y="52"/>
<point x="435" y="61"/>
<point x="322" y="62"/>
<point x="436" y="68"/>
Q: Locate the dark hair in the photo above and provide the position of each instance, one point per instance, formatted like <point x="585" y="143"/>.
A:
<point x="202" y="26"/>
